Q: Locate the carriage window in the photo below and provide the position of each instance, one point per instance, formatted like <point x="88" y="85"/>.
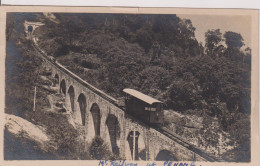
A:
<point x="153" y="109"/>
<point x="159" y="107"/>
<point x="157" y="116"/>
<point x="127" y="97"/>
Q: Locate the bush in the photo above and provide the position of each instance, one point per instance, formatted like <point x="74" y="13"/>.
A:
<point x="99" y="150"/>
<point x="89" y="65"/>
<point x="62" y="133"/>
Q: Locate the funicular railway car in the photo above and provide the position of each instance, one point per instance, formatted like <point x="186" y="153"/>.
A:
<point x="143" y="107"/>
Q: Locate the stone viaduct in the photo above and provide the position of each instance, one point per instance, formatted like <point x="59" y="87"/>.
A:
<point x="98" y="114"/>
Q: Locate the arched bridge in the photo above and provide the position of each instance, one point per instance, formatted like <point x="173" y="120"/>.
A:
<point x="97" y="114"/>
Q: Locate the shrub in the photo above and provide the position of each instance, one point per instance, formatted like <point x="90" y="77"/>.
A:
<point x="99" y="150"/>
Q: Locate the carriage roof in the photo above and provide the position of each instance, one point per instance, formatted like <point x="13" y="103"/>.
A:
<point x="145" y="98"/>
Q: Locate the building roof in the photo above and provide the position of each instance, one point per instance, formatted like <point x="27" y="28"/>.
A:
<point x="141" y="96"/>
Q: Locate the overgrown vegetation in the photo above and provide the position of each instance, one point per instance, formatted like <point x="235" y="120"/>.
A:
<point x="99" y="150"/>
<point x="19" y="148"/>
<point x="63" y="135"/>
<point x="22" y="76"/>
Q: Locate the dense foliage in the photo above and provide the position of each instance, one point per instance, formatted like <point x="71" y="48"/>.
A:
<point x="99" y="150"/>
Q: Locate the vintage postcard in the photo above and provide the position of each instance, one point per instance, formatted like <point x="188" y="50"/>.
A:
<point x="129" y="86"/>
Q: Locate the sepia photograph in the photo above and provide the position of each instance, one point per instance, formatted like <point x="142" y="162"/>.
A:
<point x="129" y="86"/>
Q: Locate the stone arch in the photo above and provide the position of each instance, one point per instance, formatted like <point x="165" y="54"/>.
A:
<point x="95" y="111"/>
<point x="82" y="105"/>
<point x="30" y="28"/>
<point x="56" y="79"/>
<point x="114" y="132"/>
<point x="71" y="93"/>
<point x="140" y="146"/>
<point x="165" y="155"/>
<point x="63" y="87"/>
<point x="130" y="140"/>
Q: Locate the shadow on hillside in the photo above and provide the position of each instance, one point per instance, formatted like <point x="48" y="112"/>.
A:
<point x="18" y="148"/>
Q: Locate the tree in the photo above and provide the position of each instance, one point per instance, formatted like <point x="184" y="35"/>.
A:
<point x="144" y="37"/>
<point x="213" y="39"/>
<point x="234" y="42"/>
<point x="187" y="37"/>
<point x="9" y="25"/>
<point x="247" y="57"/>
<point x="99" y="150"/>
<point x="186" y="29"/>
<point x="233" y="39"/>
<point x="183" y="95"/>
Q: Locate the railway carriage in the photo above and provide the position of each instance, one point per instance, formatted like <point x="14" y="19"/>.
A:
<point x="143" y="107"/>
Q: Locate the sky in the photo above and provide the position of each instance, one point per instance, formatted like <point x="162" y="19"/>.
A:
<point x="203" y="23"/>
